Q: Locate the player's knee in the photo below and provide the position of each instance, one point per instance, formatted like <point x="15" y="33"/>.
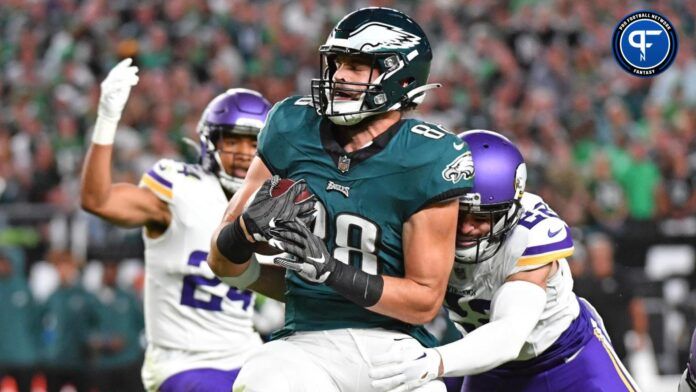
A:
<point x="265" y="371"/>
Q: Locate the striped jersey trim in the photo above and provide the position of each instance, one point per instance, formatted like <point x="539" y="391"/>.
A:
<point x="157" y="187"/>
<point x="544" y="258"/>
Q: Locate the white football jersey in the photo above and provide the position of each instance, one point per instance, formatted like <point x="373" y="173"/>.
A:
<point x="538" y="239"/>
<point x="186" y="306"/>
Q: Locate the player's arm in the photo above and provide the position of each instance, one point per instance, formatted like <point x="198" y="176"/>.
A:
<point x="515" y="310"/>
<point x="271" y="282"/>
<point x="243" y="231"/>
<point x="428" y="238"/>
<point x="221" y="265"/>
<point x="122" y="204"/>
<point x="428" y="243"/>
<point x="516" y="306"/>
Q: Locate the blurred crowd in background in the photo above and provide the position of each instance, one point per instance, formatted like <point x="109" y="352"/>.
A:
<point x="613" y="154"/>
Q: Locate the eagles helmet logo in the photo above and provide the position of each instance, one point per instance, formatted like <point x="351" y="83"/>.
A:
<point x="377" y="35"/>
<point x="460" y="168"/>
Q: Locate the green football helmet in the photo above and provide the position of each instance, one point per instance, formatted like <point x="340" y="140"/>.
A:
<point x="396" y="47"/>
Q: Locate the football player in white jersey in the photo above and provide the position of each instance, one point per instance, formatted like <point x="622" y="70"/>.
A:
<point x="687" y="383"/>
<point x="512" y="292"/>
<point x="199" y="329"/>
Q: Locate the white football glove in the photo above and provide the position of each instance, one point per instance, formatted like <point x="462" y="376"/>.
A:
<point x="115" y="90"/>
<point x="400" y="369"/>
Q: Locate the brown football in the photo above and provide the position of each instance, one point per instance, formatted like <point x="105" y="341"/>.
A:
<point x="285" y="184"/>
<point x="264" y="248"/>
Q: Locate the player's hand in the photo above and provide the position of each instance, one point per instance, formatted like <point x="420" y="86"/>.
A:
<point x="265" y="209"/>
<point x="314" y="262"/>
<point x="116" y="88"/>
<point x="402" y="369"/>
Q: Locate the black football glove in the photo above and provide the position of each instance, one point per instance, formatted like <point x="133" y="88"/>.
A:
<point x="264" y="210"/>
<point x="313" y="262"/>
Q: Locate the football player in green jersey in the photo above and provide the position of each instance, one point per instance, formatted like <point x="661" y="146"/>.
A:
<point x="373" y="266"/>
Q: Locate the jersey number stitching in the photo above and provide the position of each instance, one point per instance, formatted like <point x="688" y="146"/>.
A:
<point x="193" y="282"/>
<point x="473" y="313"/>
<point x="540" y="212"/>
<point x="356" y="239"/>
<point x="422" y="129"/>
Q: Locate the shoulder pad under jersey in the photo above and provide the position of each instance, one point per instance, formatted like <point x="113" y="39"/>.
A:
<point x="164" y="175"/>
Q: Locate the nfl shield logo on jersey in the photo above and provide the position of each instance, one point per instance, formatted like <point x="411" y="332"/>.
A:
<point x="343" y="164"/>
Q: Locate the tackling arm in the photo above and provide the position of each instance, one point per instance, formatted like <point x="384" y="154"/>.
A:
<point x="515" y="311"/>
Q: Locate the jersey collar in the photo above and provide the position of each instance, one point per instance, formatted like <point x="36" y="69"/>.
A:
<point x="327" y="131"/>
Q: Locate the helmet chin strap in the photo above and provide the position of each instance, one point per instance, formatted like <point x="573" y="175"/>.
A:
<point x="417" y="95"/>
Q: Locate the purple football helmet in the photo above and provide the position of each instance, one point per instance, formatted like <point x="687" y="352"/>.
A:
<point x="237" y="111"/>
<point x="499" y="180"/>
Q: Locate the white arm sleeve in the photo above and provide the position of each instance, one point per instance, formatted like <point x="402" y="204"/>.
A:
<point x="246" y="278"/>
<point x="515" y="310"/>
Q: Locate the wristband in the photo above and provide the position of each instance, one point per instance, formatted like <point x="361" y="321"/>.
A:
<point x="233" y="244"/>
<point x="356" y="285"/>
<point x="104" y="131"/>
<point x="247" y="278"/>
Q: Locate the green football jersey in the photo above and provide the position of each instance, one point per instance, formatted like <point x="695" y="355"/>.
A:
<point x="364" y="198"/>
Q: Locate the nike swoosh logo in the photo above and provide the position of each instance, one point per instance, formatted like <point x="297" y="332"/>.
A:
<point x="320" y="261"/>
<point x="422" y="356"/>
<point x="552" y="234"/>
<point x="570" y="358"/>
<point x="458" y="146"/>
